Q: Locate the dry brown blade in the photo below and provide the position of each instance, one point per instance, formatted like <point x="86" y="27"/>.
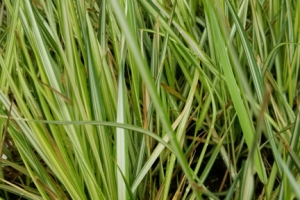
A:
<point x="189" y="154"/>
<point x="223" y="181"/>
<point x="226" y="107"/>
<point x="197" y="187"/>
<point x="199" y="140"/>
<point x="173" y="92"/>
<point x="65" y="98"/>
<point x="178" y="192"/>
<point x="265" y="103"/>
<point x="47" y="189"/>
<point x="160" y="191"/>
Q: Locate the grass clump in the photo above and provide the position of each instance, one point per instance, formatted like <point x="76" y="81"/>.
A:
<point x="149" y="99"/>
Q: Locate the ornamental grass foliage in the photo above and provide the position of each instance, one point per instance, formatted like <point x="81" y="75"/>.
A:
<point x="149" y="99"/>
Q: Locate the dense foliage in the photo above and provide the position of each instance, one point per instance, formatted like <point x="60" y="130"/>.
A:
<point x="149" y="99"/>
